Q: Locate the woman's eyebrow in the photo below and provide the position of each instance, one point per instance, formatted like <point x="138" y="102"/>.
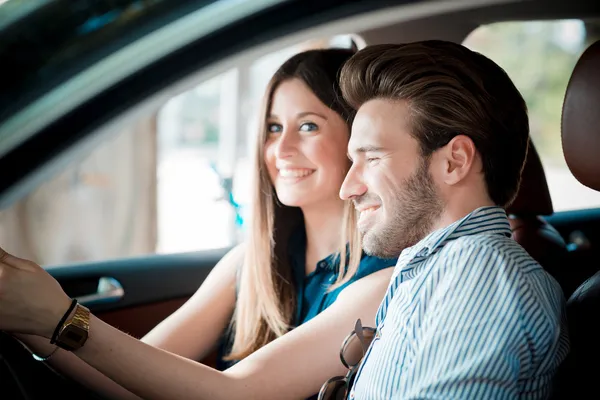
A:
<point x="299" y="115"/>
<point x="305" y="113"/>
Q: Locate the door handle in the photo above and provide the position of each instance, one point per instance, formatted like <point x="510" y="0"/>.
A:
<point x="110" y="290"/>
<point x="578" y="241"/>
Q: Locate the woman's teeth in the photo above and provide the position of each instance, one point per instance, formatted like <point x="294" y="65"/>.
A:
<point x="295" y="173"/>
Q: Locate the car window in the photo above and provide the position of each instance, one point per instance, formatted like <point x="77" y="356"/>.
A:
<point x="58" y="54"/>
<point x="539" y="56"/>
<point x="175" y="181"/>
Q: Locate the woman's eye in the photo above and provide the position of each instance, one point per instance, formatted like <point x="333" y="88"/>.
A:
<point x="274" y="128"/>
<point x="308" y="127"/>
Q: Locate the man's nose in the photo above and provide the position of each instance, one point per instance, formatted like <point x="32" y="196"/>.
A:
<point x="353" y="185"/>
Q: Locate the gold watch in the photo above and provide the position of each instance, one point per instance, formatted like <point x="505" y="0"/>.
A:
<point x="75" y="330"/>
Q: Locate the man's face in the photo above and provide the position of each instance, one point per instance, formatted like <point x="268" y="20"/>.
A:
<point x="389" y="181"/>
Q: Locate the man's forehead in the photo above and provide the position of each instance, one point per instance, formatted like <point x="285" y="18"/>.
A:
<point x="378" y="123"/>
<point x="360" y="143"/>
<point x="364" y="132"/>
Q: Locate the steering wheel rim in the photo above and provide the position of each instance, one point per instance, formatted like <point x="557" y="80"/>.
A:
<point x="11" y="358"/>
<point x="28" y="379"/>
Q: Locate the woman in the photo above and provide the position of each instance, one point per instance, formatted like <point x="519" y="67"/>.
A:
<point x="286" y="275"/>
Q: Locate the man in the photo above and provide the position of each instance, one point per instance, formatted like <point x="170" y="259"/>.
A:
<point x="438" y="145"/>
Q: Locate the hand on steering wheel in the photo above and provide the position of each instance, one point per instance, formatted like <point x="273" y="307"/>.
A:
<point x="31" y="300"/>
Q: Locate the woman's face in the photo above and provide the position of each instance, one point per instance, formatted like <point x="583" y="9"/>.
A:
<point x="306" y="147"/>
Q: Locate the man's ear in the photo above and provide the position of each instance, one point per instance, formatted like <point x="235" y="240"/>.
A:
<point x="458" y="157"/>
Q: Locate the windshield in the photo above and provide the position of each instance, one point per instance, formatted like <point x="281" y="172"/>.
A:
<point x="42" y="43"/>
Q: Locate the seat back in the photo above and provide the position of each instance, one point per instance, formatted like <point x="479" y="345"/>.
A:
<point x="581" y="146"/>
<point x="526" y="216"/>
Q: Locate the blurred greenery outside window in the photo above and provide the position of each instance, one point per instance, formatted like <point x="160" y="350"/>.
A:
<point x="539" y="56"/>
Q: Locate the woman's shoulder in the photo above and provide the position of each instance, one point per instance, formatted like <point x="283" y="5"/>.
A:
<point x="369" y="264"/>
<point x="233" y="259"/>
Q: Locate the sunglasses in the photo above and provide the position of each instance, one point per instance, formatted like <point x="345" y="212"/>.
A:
<point x="352" y="352"/>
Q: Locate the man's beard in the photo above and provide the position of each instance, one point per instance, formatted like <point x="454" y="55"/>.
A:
<point x="413" y="212"/>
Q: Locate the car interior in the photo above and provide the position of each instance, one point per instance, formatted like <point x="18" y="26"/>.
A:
<point x="581" y="143"/>
<point x="76" y="81"/>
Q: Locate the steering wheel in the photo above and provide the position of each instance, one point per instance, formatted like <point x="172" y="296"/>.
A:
<point x="15" y="385"/>
<point x="24" y="378"/>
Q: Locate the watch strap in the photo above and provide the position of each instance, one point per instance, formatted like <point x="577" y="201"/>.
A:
<point x="62" y="321"/>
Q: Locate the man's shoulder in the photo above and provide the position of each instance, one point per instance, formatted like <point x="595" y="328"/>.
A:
<point x="501" y="256"/>
<point x="492" y="248"/>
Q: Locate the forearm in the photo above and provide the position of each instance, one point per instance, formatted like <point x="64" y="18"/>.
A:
<point x="71" y="366"/>
<point x="196" y="328"/>
<point x="153" y="373"/>
<point x="193" y="338"/>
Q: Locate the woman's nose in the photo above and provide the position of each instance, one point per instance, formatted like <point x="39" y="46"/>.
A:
<point x="287" y="145"/>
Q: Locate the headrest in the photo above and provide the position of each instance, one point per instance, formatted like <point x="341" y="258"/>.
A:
<point x="533" y="197"/>
<point x="581" y="119"/>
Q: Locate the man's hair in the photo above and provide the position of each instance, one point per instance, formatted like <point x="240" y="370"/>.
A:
<point x="450" y="90"/>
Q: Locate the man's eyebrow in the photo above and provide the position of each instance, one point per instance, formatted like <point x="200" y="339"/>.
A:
<point x="365" y="149"/>
<point x="368" y="149"/>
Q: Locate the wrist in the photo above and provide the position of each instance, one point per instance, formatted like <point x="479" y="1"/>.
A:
<point x="53" y="317"/>
<point x="58" y="317"/>
<point x="73" y="328"/>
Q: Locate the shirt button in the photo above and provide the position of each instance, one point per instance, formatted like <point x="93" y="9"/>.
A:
<point x="322" y="264"/>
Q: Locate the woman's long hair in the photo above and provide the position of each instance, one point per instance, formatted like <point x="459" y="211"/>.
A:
<point x="266" y="301"/>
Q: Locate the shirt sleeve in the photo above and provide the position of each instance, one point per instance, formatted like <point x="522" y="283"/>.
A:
<point x="483" y="335"/>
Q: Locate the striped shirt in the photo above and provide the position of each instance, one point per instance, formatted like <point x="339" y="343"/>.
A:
<point x="468" y="314"/>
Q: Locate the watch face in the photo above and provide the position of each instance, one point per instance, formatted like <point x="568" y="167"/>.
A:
<point x="72" y="337"/>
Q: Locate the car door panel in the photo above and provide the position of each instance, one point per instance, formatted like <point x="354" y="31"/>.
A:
<point x="139" y="320"/>
<point x="152" y="287"/>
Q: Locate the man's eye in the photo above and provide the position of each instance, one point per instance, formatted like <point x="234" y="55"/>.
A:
<point x="309" y="127"/>
<point x="372" y="160"/>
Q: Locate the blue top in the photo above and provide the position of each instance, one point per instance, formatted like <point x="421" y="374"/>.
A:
<point x="311" y="289"/>
<point x="468" y="314"/>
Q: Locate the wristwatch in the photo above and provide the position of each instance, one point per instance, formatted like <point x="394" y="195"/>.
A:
<point x="74" y="332"/>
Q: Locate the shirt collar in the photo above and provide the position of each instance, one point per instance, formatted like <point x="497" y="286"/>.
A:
<point x="489" y="220"/>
